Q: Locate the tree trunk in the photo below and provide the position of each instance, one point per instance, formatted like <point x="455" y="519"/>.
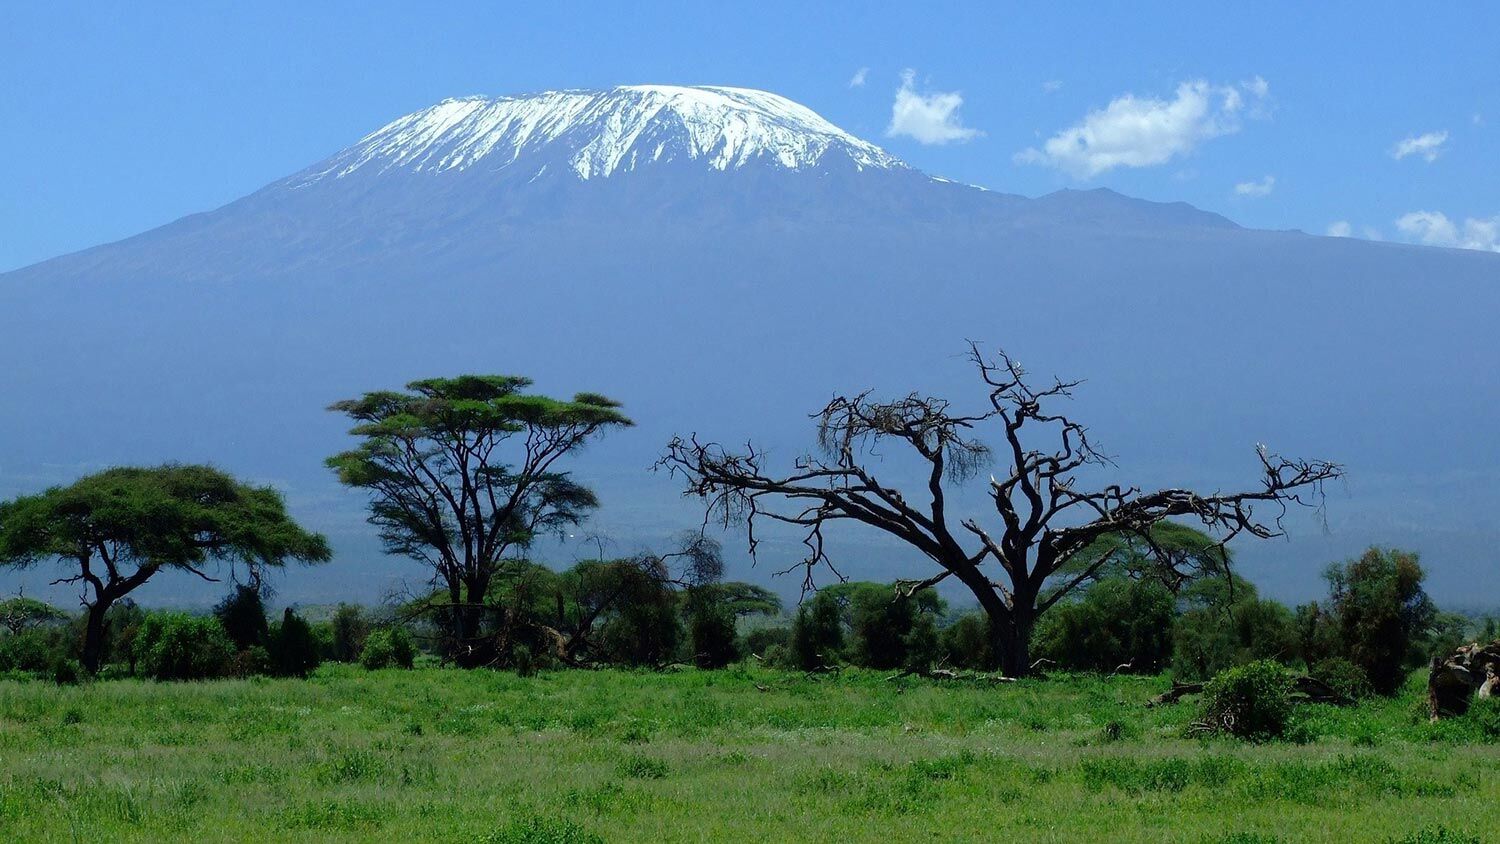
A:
<point x="1012" y="643"/>
<point x="93" y="636"/>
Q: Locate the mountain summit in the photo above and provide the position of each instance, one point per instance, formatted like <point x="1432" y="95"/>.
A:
<point x="596" y="134"/>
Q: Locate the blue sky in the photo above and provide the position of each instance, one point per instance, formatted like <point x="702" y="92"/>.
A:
<point x="114" y="120"/>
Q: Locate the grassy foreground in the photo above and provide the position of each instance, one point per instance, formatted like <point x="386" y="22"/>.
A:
<point x="738" y="755"/>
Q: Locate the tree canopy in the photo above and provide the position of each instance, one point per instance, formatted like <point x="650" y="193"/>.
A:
<point x="122" y="526"/>
<point x="463" y="473"/>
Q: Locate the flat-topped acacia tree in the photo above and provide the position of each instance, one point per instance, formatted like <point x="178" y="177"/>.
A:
<point x="122" y="526"/>
<point x="1050" y="536"/>
<point x="463" y="473"/>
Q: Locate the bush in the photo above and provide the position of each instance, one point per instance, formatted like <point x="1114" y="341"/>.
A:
<point x="293" y="647"/>
<point x="243" y="615"/>
<point x="967" y="642"/>
<point x="1380" y="607"/>
<point x="760" y="640"/>
<point x="817" y="633"/>
<point x="1217" y="636"/>
<point x="711" y="631"/>
<point x="1343" y="677"/>
<point x="1252" y="701"/>
<point x="921" y="644"/>
<point x="1117" y="622"/>
<point x="879" y="619"/>
<point x="37" y="650"/>
<point x="388" y="647"/>
<point x="349" y="629"/>
<point x="178" y="646"/>
<point x="254" y="661"/>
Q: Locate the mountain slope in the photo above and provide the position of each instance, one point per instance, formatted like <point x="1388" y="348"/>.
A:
<point x="729" y="286"/>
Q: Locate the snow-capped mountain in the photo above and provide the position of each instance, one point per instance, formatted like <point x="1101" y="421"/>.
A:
<point x="722" y="261"/>
<point x="594" y="134"/>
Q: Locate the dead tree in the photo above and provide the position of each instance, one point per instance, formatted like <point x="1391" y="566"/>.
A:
<point x="1044" y="521"/>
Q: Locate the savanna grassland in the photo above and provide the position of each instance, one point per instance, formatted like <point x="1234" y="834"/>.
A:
<point x="744" y="754"/>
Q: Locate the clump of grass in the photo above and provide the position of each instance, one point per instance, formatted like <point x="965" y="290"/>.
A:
<point x="350" y="766"/>
<point x="333" y="815"/>
<point x="536" y="829"/>
<point x="642" y="767"/>
<point x="1436" y="835"/>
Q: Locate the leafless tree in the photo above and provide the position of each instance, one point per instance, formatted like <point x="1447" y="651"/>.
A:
<point x="1045" y="520"/>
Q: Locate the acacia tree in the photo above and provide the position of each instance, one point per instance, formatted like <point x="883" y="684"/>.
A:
<point x="21" y="613"/>
<point x="1046" y="519"/>
<point x="463" y="473"/>
<point x="122" y="526"/>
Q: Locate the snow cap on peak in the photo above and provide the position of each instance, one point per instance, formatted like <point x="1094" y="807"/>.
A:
<point x="600" y="133"/>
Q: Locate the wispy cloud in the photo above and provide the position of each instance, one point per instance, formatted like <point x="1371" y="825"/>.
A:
<point x="930" y="118"/>
<point x="1429" y="146"/>
<point x="1340" y="228"/>
<point x="1052" y="86"/>
<point x="1260" y="188"/>
<point x="1434" y="228"/>
<point x="859" y="77"/>
<point x="1146" y="131"/>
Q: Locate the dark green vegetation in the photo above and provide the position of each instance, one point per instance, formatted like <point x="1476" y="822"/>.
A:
<point x="873" y="711"/>
<point x="114" y="530"/>
<point x="744" y="753"/>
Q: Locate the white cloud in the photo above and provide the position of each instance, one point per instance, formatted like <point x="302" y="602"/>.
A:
<point x="1435" y="229"/>
<point x="858" y="79"/>
<point x="1429" y="146"/>
<point x="929" y="118"/>
<point x="1052" y="86"/>
<point x="1340" y="228"/>
<point x="1260" y="188"/>
<point x="1144" y="131"/>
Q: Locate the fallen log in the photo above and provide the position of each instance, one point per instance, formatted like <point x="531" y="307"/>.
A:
<point x="1305" y="689"/>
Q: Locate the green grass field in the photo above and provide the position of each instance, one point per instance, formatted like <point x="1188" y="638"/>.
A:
<point x="737" y="755"/>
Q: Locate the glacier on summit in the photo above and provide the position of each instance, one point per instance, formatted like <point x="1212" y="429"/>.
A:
<point x="600" y="133"/>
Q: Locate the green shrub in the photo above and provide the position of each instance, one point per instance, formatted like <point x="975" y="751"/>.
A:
<point x="817" y="633"/>
<point x="967" y="642"/>
<point x="36" y="650"/>
<point x="388" y="647"/>
<point x="254" y="661"/>
<point x="711" y="634"/>
<point x="243" y="615"/>
<point x="349" y="629"/>
<point x="762" y="639"/>
<point x="178" y="646"/>
<point x="293" y="647"/>
<point x="1252" y="701"/>
<point x="1217" y="636"/>
<point x="67" y="672"/>
<point x="1484" y="717"/>
<point x="923" y="649"/>
<point x="1343" y="677"/>
<point x="1116" y="622"/>
<point x="1379" y="608"/>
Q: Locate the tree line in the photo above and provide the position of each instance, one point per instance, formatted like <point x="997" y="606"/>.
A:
<point x="463" y="475"/>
